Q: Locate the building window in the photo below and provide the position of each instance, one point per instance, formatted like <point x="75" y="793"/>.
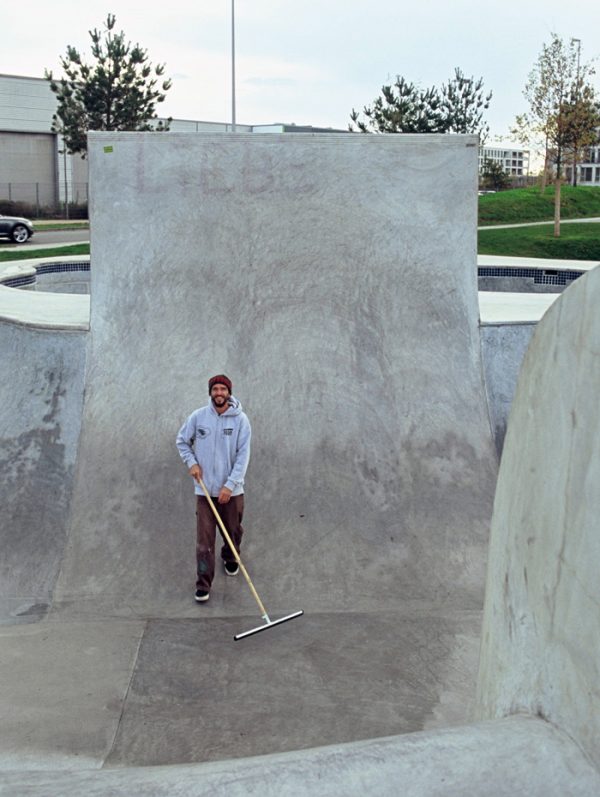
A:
<point x="587" y="174"/>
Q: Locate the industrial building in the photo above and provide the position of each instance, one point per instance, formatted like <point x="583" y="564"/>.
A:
<point x="34" y="167"/>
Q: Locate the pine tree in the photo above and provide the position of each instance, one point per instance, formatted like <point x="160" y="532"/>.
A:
<point x="405" y="108"/>
<point x="401" y="108"/>
<point x="463" y="104"/>
<point x="117" y="91"/>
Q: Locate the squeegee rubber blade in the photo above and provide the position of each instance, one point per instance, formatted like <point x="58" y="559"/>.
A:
<point x="268" y="625"/>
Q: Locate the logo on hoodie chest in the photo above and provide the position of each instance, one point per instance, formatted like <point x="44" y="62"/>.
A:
<point x="202" y="432"/>
<point x="228" y="432"/>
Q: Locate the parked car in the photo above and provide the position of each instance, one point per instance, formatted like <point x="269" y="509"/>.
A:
<point x="17" y="229"/>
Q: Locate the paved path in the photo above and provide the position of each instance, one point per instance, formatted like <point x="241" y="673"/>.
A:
<point x="595" y="220"/>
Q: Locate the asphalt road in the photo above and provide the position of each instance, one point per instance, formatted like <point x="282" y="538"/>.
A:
<point x="49" y="238"/>
<point x="58" y="237"/>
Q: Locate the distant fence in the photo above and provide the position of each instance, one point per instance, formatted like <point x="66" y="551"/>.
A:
<point x="522" y="181"/>
<point x="512" y="181"/>
<point x="41" y="200"/>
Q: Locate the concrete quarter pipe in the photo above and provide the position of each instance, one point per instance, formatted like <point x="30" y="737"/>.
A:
<point x="333" y="278"/>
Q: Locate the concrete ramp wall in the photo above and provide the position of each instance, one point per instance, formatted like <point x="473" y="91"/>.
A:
<point x="333" y="278"/>
<point x="541" y="633"/>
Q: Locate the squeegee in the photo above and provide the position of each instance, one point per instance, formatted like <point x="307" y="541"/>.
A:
<point x="268" y="623"/>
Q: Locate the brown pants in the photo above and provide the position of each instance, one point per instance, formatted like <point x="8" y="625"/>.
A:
<point x="231" y="514"/>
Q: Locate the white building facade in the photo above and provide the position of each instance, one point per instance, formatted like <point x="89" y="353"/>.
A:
<point x="588" y="170"/>
<point x="514" y="161"/>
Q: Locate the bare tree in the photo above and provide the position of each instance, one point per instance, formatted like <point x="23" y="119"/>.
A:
<point x="560" y="114"/>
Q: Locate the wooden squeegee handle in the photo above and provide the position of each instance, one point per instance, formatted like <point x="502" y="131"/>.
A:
<point x="263" y="611"/>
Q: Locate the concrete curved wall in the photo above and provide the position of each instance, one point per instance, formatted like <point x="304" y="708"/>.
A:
<point x="349" y="325"/>
<point x="41" y="397"/>
<point x="503" y="349"/>
<point x="541" y="632"/>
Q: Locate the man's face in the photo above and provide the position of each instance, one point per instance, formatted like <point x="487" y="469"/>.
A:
<point x="219" y="395"/>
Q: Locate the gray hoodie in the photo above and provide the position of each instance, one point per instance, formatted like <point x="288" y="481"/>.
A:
<point x="220" y="444"/>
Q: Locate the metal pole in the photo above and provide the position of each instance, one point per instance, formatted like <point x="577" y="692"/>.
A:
<point x="233" y="128"/>
<point x="574" y="180"/>
<point x="66" y="182"/>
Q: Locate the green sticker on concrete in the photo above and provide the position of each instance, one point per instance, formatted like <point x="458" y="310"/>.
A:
<point x="108" y="149"/>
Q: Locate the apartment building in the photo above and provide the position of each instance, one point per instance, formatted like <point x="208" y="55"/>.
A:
<point x="514" y="161"/>
<point x="588" y="170"/>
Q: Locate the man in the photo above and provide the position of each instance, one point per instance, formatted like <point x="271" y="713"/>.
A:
<point x="214" y="443"/>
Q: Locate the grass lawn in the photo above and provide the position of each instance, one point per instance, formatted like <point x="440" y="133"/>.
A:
<point x="529" y="204"/>
<point x="57" y="224"/>
<point x="576" y="242"/>
<point x="27" y="254"/>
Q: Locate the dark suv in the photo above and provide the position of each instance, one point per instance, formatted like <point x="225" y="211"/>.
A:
<point x="17" y="229"/>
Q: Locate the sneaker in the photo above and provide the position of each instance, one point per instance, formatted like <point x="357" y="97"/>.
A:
<point x="202" y="595"/>
<point x="231" y="568"/>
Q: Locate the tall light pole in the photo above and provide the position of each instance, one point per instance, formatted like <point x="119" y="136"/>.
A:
<point x="233" y="66"/>
<point x="578" y="41"/>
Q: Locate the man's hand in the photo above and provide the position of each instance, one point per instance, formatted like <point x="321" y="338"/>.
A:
<point x="196" y="473"/>
<point x="224" y="495"/>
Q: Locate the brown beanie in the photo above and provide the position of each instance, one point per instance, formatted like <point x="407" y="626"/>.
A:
<point x="219" y="379"/>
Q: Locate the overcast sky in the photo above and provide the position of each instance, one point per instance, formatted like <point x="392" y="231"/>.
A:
<point x="308" y="61"/>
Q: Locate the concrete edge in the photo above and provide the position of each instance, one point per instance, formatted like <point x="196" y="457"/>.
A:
<point x="55" y="305"/>
<point x="24" y="268"/>
<point x="518" y="755"/>
<point x="499" y="261"/>
<point x="41" y="309"/>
